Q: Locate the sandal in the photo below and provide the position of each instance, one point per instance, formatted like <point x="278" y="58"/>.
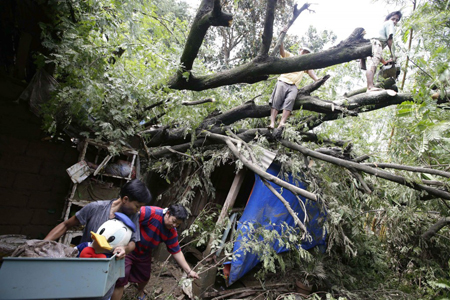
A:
<point x="142" y="298"/>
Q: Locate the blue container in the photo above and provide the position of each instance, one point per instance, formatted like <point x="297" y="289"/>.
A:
<point x="58" y="278"/>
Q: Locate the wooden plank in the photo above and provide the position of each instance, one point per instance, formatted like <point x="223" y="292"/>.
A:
<point x="228" y="204"/>
<point x="232" y="195"/>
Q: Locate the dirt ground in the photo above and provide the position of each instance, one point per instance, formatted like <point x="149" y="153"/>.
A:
<point x="163" y="284"/>
<point x="166" y="282"/>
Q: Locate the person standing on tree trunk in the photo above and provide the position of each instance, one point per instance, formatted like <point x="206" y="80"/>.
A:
<point x="285" y="91"/>
<point x="385" y="37"/>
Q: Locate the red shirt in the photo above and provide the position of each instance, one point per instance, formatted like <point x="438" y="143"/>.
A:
<point x="153" y="232"/>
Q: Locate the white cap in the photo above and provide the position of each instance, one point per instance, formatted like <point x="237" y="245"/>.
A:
<point x="307" y="49"/>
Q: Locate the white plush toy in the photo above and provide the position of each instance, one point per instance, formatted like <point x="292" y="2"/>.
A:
<point x="111" y="234"/>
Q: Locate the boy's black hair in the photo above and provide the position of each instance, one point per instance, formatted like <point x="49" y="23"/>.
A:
<point x="398" y="13"/>
<point x="178" y="211"/>
<point x="136" y="190"/>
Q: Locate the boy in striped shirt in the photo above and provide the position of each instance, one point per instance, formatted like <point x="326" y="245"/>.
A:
<point x="157" y="226"/>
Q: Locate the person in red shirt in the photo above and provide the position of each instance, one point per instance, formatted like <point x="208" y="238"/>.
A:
<point x="157" y="226"/>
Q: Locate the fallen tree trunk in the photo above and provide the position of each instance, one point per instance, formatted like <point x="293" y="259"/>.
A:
<point x="435" y="228"/>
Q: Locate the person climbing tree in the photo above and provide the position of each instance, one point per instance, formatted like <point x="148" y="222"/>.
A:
<point x="285" y="91"/>
<point x="385" y="37"/>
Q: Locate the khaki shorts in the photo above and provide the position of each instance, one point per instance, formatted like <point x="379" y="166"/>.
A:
<point x="283" y="96"/>
<point x="377" y="50"/>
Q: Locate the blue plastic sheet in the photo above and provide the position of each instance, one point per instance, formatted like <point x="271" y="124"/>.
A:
<point x="266" y="209"/>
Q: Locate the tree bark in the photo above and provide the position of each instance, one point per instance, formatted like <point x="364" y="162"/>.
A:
<point x="352" y="104"/>
<point x="381" y="174"/>
<point x="435" y="228"/>
<point x="259" y="69"/>
<point x="209" y="14"/>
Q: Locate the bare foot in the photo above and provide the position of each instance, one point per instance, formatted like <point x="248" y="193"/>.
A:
<point x="270" y="127"/>
<point x="374" y="89"/>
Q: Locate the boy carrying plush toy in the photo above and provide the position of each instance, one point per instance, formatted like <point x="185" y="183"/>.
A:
<point x="111" y="234"/>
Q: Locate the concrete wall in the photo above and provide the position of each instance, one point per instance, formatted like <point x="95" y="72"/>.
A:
<point x="33" y="180"/>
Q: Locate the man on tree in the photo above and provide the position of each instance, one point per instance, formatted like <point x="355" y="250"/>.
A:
<point x="285" y="91"/>
<point x="384" y="37"/>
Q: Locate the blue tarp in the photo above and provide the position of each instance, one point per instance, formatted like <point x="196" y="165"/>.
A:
<point x="265" y="208"/>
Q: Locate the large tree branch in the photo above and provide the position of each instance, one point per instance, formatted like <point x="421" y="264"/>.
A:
<point x="352" y="166"/>
<point x="202" y="141"/>
<point x="268" y="29"/>
<point x="433" y="230"/>
<point x="373" y="100"/>
<point x="209" y="14"/>
<point x="294" y="189"/>
<point x="373" y="171"/>
<point x="352" y="106"/>
<point x="295" y="14"/>
<point x="409" y="168"/>
<point x="190" y="103"/>
<point x="353" y="48"/>
<point x="329" y="110"/>
<point x="182" y="142"/>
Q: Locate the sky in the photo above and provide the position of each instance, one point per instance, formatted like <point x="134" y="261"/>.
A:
<point x="340" y="16"/>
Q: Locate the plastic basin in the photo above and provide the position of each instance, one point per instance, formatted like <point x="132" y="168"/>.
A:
<point x="58" y="278"/>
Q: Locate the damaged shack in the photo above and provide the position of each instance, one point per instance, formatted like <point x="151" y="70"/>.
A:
<point x="49" y="177"/>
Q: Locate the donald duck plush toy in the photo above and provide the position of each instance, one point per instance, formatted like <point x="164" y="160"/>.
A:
<point x="113" y="233"/>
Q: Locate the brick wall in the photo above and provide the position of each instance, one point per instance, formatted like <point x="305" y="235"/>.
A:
<point x="33" y="178"/>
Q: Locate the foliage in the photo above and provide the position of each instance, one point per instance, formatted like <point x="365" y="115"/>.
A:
<point x="317" y="41"/>
<point x="203" y="226"/>
<point x="259" y="239"/>
<point x="113" y="59"/>
<point x="241" y="42"/>
<point x="441" y="287"/>
<point x="427" y="126"/>
<point x="106" y="57"/>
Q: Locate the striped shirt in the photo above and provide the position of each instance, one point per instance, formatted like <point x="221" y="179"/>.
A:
<point x="153" y="232"/>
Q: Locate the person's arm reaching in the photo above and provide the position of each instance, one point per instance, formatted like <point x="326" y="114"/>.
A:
<point x="282" y="52"/>
<point x="390" y="46"/>
<point x="312" y="74"/>
<point x="179" y="257"/>
<point x="62" y="228"/>
<point x="390" y="43"/>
